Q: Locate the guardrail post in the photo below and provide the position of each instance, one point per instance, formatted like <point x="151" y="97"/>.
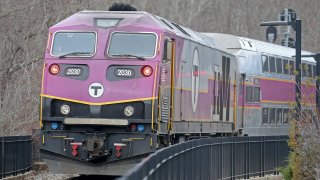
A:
<point x="2" y="158"/>
<point x="248" y="157"/>
<point x="263" y="143"/>
<point x="220" y="158"/>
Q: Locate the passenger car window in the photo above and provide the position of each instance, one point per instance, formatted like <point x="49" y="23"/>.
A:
<point x="314" y="71"/>
<point x="272" y="115"/>
<point x="309" y="70"/>
<point x="291" y="67"/>
<point x="279" y="116"/>
<point x="272" y="64"/>
<point x="249" y="94"/>
<point x="279" y="65"/>
<point x="286" y="67"/>
<point x="285" y="116"/>
<point x="265" y="63"/>
<point x="304" y="68"/>
<point x="256" y="94"/>
<point x="265" y="114"/>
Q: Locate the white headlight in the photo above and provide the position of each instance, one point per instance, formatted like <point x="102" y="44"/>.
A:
<point x="65" y="109"/>
<point x="128" y="111"/>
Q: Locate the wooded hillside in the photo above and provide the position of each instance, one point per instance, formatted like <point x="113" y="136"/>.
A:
<point x="24" y="27"/>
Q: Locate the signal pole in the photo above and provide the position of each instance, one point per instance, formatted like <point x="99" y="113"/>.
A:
<point x="296" y="25"/>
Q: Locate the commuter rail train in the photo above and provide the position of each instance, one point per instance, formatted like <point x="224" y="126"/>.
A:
<point x="117" y="86"/>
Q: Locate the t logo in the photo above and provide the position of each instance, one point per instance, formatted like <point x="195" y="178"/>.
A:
<point x="96" y="90"/>
<point x="195" y="81"/>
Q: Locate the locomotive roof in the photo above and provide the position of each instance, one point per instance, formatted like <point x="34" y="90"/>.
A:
<point x="234" y="43"/>
<point x="137" y="18"/>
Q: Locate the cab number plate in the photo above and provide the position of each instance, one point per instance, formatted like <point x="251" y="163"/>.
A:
<point x="73" y="71"/>
<point x="121" y="72"/>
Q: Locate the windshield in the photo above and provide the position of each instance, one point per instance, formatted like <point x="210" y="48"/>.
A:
<point x="132" y="45"/>
<point x="74" y="44"/>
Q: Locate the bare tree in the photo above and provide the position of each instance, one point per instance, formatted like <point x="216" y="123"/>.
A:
<point x="25" y="23"/>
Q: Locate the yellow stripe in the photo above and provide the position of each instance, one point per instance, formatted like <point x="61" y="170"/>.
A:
<point x="153" y="97"/>
<point x="42" y="139"/>
<point x="172" y="87"/>
<point x="42" y="82"/>
<point x="280" y="80"/>
<point x="277" y="102"/>
<point x="159" y="42"/>
<point x="286" y="102"/>
<point x="250" y="107"/>
<point x="275" y="79"/>
<point x="189" y="89"/>
<point x="103" y="103"/>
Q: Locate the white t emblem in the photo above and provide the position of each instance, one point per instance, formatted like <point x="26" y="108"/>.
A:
<point x="195" y="84"/>
<point x="96" y="90"/>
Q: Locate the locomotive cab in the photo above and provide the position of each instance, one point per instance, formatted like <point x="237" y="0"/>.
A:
<point x="99" y="93"/>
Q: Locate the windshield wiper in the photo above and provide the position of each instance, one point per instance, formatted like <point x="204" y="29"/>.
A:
<point x="130" y="55"/>
<point x="74" y="53"/>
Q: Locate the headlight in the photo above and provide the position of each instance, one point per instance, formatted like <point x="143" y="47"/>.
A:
<point x="65" y="109"/>
<point x="128" y="111"/>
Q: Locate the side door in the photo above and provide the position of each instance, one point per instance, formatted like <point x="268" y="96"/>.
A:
<point x="166" y="86"/>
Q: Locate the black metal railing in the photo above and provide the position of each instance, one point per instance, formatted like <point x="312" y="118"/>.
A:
<point x="215" y="158"/>
<point x="15" y="155"/>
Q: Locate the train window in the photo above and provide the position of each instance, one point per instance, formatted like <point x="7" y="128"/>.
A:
<point x="279" y="116"/>
<point x="304" y="68"/>
<point x="272" y="64"/>
<point x="256" y="94"/>
<point x="272" y="115"/>
<point x="123" y="44"/>
<point x="309" y="70"/>
<point x="265" y="114"/>
<point x="279" y="65"/>
<point x="70" y="43"/>
<point x="167" y="52"/>
<point x="291" y="67"/>
<point x="285" y="66"/>
<point x="265" y="63"/>
<point x="314" y="71"/>
<point x="249" y="94"/>
<point x="285" y="116"/>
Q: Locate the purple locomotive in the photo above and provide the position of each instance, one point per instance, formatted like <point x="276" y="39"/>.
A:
<point x="117" y="86"/>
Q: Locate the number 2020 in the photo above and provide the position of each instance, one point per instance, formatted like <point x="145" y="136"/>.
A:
<point x="73" y="71"/>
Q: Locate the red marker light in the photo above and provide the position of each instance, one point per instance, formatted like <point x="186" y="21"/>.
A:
<point x="118" y="154"/>
<point x="75" y="146"/>
<point x="146" y="71"/>
<point x="54" y="69"/>
<point x="118" y="148"/>
<point x="133" y="127"/>
<point x="74" y="153"/>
